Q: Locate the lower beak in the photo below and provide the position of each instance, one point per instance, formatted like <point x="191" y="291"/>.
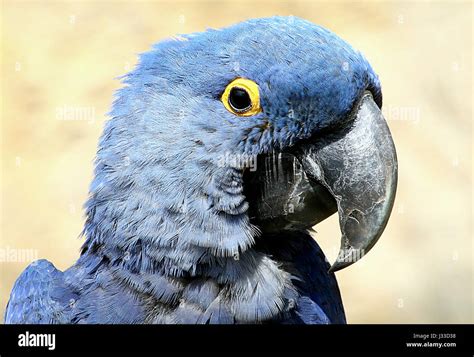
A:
<point x="352" y="170"/>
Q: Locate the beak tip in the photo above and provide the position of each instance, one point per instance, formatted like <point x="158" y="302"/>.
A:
<point x="338" y="265"/>
<point x="347" y="256"/>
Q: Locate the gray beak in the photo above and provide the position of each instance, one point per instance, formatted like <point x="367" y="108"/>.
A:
<point x="359" y="168"/>
<point x="352" y="170"/>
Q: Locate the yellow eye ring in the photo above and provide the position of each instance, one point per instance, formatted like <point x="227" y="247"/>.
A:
<point x="241" y="97"/>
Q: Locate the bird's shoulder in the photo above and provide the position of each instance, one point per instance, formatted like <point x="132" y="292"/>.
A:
<point x="38" y="296"/>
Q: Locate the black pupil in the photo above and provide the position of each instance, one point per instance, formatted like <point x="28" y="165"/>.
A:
<point x="239" y="99"/>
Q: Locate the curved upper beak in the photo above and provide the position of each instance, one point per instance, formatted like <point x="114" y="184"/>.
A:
<point x="352" y="170"/>
<point x="358" y="166"/>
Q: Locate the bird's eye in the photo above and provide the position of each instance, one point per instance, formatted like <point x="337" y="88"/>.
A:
<point x="241" y="97"/>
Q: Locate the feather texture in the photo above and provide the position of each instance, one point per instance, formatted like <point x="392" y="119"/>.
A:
<point x="168" y="235"/>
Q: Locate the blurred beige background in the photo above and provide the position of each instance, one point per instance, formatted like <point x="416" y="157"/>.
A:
<point x="59" y="61"/>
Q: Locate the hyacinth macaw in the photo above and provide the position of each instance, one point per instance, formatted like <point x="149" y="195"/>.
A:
<point x="223" y="149"/>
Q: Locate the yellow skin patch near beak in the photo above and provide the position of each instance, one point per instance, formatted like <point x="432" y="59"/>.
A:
<point x="252" y="90"/>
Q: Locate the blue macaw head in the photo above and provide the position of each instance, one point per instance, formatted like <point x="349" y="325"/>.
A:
<point x="221" y="136"/>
